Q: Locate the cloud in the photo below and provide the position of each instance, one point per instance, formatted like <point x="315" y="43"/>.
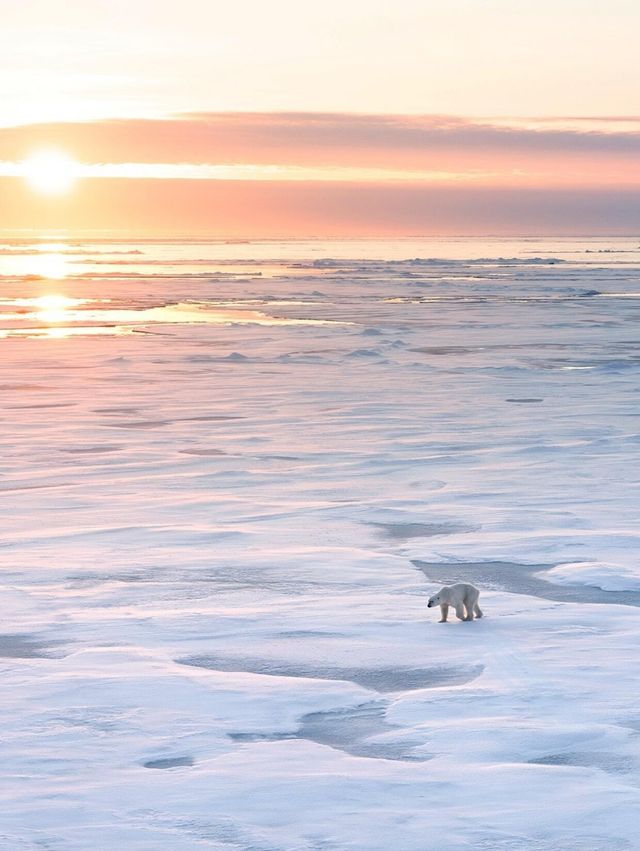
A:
<point x="374" y="175"/>
<point x="332" y="139"/>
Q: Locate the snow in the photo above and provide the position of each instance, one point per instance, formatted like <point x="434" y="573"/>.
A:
<point x="220" y="532"/>
<point x="597" y="574"/>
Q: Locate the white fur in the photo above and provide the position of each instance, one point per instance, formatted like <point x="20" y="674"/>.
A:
<point x="461" y="596"/>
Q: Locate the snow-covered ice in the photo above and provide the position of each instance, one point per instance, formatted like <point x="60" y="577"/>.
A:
<point x="232" y="474"/>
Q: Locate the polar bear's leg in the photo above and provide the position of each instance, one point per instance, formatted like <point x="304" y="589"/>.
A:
<point x="469" y="602"/>
<point x="460" y="611"/>
<point x="473" y="606"/>
<point x="444" y="609"/>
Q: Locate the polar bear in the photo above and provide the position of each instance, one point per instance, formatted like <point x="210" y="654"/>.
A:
<point x="461" y="597"/>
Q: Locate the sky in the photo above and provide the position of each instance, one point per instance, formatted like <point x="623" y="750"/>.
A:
<point x="339" y="118"/>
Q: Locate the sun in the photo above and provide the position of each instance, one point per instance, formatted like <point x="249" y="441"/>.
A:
<point x="51" y="172"/>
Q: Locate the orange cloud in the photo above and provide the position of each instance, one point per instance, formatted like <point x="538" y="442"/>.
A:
<point x="542" y="153"/>
<point x="287" y="174"/>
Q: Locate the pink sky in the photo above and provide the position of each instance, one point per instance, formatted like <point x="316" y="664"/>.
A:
<point x="367" y="118"/>
<point x="304" y="174"/>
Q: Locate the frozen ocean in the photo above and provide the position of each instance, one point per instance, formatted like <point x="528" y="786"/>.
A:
<point x="232" y="474"/>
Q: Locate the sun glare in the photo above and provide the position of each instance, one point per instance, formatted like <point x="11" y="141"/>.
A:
<point x="54" y="302"/>
<point x="50" y="266"/>
<point x="54" y="308"/>
<point x="51" y="172"/>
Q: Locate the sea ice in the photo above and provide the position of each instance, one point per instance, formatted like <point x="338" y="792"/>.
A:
<point x="219" y="538"/>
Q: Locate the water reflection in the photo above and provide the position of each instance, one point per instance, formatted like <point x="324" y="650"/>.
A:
<point x="54" y="309"/>
<point x="60" y="332"/>
<point x="59" y="316"/>
<point x="46" y="261"/>
<point x="54" y="266"/>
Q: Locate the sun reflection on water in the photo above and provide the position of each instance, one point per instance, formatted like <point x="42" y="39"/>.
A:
<point x="54" y="309"/>
<point x="54" y="266"/>
<point x="55" y="315"/>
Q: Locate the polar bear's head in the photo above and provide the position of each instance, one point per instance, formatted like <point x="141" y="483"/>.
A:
<point x="439" y="599"/>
